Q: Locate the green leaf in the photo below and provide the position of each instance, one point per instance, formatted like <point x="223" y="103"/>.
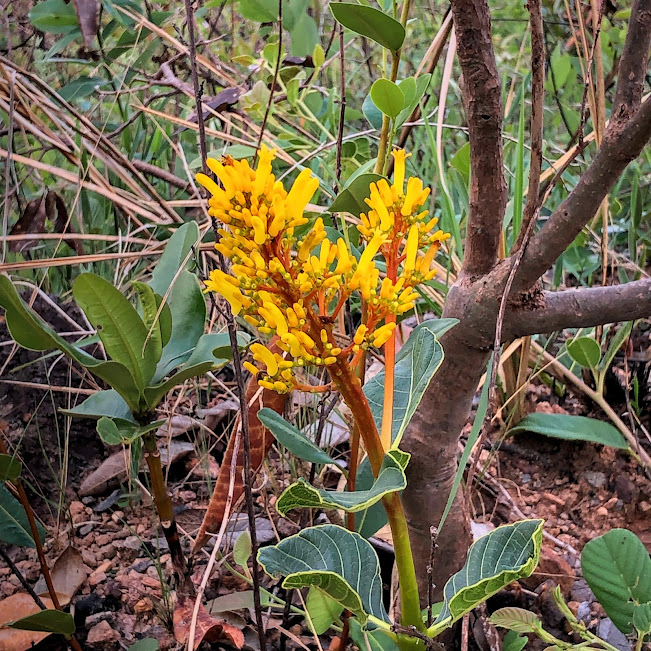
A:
<point x="388" y="97"/>
<point x="103" y="403"/>
<point x="292" y="438"/>
<point x="121" y="330"/>
<point x="370" y="22"/>
<point x="323" y="610"/>
<point x="390" y="479"/>
<point x="177" y="253"/>
<point x="82" y="87"/>
<point x="30" y="332"/>
<point x="242" y="550"/>
<point x="416" y="363"/>
<point x="372" y="113"/>
<point x="339" y="562"/>
<point x="14" y="526"/>
<point x="461" y="162"/>
<point x="147" y="644"/>
<point x="370" y="521"/>
<point x="618" y="570"/>
<point x="122" y="432"/>
<point x="188" y="308"/>
<point x="157" y="319"/>
<point x="211" y="351"/>
<point x="10" y="468"/>
<point x="615" y="345"/>
<point x="411" y="100"/>
<point x="351" y="198"/>
<point x="585" y="351"/>
<point x="514" y="642"/>
<point x="507" y="553"/>
<point x="261" y="11"/>
<point x="516" y="619"/>
<point x="642" y="618"/>
<point x="374" y="640"/>
<point x="54" y="16"/>
<point x="572" y="428"/>
<point x="48" y="621"/>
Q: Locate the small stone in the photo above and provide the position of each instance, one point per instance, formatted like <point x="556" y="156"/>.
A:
<point x="77" y="512"/>
<point x="583" y="613"/>
<point x="86" y="529"/>
<point x="187" y="496"/>
<point x="595" y="478"/>
<point x="580" y="591"/>
<point x="526" y="478"/>
<point x="624" y="488"/>
<point x="645" y="506"/>
<point x="610" y="633"/>
<point x="104" y="539"/>
<point x="602" y="512"/>
<point x="96" y="578"/>
<point x="145" y="605"/>
<point x="131" y="542"/>
<point x="88" y="557"/>
<point x="102" y="636"/>
<point x="141" y="564"/>
<point x="88" y="500"/>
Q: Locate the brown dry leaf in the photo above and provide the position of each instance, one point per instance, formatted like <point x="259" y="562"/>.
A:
<point x="68" y="573"/>
<point x="208" y="628"/>
<point x="88" y="15"/>
<point x="114" y="469"/>
<point x="31" y="221"/>
<point x="16" y="607"/>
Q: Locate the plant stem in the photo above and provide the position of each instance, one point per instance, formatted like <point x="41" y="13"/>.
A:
<point x="163" y="503"/>
<point x="389" y="366"/>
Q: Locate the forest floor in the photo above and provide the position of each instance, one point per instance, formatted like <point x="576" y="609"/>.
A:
<point x="106" y="532"/>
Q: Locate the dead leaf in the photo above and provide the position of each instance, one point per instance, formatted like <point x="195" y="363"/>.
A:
<point x="88" y="15"/>
<point x="114" y="469"/>
<point x="208" y="628"/>
<point x="68" y="573"/>
<point x="230" y="602"/>
<point x="31" y="221"/>
<point x="16" y="607"/>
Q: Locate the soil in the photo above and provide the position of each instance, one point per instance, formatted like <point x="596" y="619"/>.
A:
<point x="581" y="490"/>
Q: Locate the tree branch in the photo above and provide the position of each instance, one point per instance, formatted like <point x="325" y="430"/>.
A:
<point x="582" y="308"/>
<point x="633" y="64"/>
<point x="626" y="135"/>
<point x="483" y="106"/>
<point x="567" y="221"/>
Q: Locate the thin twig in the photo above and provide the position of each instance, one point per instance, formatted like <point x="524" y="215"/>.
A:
<point x="274" y="81"/>
<point x="412" y="631"/>
<point x="342" y="107"/>
<point x="19" y="575"/>
<point x="434" y="534"/>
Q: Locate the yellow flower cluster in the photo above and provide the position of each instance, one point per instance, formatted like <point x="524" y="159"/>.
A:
<point x="293" y="287"/>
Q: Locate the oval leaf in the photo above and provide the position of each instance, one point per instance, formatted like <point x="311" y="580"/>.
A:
<point x="572" y="428"/>
<point x="388" y="97"/>
<point x="618" y="570"/>
<point x="391" y="478"/>
<point x="103" y="403"/>
<point x="339" y="562"/>
<point x="516" y="619"/>
<point x="10" y="468"/>
<point x="292" y="438"/>
<point x="508" y="553"/>
<point x="14" y="526"/>
<point x="351" y="198"/>
<point x="176" y="253"/>
<point x="121" y="330"/>
<point x="370" y="22"/>
<point x="323" y="610"/>
<point x="416" y="363"/>
<point x="47" y="621"/>
<point x="585" y="351"/>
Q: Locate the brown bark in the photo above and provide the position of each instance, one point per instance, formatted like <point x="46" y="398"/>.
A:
<point x="483" y="105"/>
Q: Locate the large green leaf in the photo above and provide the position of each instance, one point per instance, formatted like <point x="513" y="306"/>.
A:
<point x="48" y="621"/>
<point x="156" y="316"/>
<point x="585" y="351"/>
<point x="505" y="554"/>
<point x="388" y="97"/>
<point x="339" y="562"/>
<point x="292" y="438"/>
<point x="30" y="332"/>
<point x="618" y="570"/>
<point x="391" y="478"/>
<point x="175" y="254"/>
<point x="351" y="198"/>
<point x="370" y="22"/>
<point x="14" y="526"/>
<point x="10" y="468"/>
<point x="188" y="308"/>
<point x="107" y="403"/>
<point x="323" y="610"/>
<point x="121" y="330"/>
<point x="211" y="351"/>
<point x="516" y="619"/>
<point x="572" y="428"/>
<point x="416" y="363"/>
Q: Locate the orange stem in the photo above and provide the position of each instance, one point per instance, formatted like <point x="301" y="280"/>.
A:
<point x="389" y="365"/>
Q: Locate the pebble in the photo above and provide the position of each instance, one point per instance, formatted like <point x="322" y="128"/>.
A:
<point x="583" y="612"/>
<point x="85" y="530"/>
<point x="581" y="592"/>
<point x="102" y="636"/>
<point x="609" y="632"/>
<point x="595" y="478"/>
<point x="77" y="512"/>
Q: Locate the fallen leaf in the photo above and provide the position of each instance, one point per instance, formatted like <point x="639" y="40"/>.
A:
<point x="208" y="628"/>
<point x="16" y="607"/>
<point x="68" y="573"/>
<point x="31" y="221"/>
